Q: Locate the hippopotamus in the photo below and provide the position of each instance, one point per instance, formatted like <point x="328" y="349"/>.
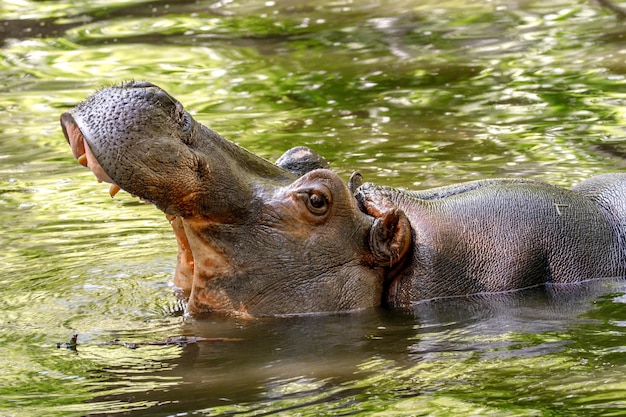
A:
<point x="257" y="238"/>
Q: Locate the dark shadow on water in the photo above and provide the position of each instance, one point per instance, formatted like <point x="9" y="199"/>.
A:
<point x="55" y="27"/>
<point x="302" y="361"/>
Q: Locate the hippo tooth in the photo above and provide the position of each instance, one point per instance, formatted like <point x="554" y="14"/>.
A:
<point x="114" y="190"/>
<point x="83" y="160"/>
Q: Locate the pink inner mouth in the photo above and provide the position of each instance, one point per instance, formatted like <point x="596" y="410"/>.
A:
<point x="84" y="155"/>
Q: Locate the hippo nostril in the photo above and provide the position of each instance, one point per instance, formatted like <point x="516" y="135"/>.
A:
<point x="150" y="90"/>
<point x="137" y="84"/>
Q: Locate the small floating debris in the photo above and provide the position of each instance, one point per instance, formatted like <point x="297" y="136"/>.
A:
<point x="181" y="341"/>
<point x="71" y="344"/>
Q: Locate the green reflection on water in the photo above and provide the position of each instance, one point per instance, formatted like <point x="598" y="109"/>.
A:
<point x="517" y="378"/>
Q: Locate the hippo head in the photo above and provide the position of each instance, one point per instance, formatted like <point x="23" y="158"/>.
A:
<point x="254" y="238"/>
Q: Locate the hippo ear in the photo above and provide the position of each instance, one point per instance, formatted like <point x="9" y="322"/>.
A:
<point x="300" y="160"/>
<point x="389" y="238"/>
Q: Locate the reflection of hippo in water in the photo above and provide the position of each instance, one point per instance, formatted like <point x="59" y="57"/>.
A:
<point x="263" y="239"/>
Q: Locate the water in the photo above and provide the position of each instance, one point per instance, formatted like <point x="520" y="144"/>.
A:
<point x="412" y="93"/>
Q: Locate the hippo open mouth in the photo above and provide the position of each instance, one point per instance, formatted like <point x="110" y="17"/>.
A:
<point x="253" y="237"/>
<point x="83" y="154"/>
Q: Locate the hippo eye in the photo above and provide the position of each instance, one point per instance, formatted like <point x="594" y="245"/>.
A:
<point x="316" y="201"/>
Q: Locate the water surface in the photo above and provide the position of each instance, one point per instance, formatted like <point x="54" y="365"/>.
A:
<point x="413" y="94"/>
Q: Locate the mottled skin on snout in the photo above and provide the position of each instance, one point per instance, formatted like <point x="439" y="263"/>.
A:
<point x="257" y="238"/>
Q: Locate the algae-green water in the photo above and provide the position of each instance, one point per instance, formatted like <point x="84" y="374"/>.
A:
<point x="413" y="94"/>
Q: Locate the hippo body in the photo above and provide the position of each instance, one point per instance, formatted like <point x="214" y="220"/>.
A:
<point x="499" y="235"/>
<point x="257" y="238"/>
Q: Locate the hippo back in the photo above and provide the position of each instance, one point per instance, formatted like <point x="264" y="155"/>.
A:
<point x="609" y="192"/>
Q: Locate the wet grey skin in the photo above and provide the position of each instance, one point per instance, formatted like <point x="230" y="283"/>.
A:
<point x="257" y="238"/>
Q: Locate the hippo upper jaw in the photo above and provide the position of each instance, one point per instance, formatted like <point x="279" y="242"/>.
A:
<point x="138" y="138"/>
<point x="176" y="201"/>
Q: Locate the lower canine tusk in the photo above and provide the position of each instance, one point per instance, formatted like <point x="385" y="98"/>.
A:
<point x="114" y="190"/>
<point x="83" y="160"/>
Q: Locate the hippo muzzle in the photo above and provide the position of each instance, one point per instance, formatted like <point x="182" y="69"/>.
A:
<point x="140" y="139"/>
